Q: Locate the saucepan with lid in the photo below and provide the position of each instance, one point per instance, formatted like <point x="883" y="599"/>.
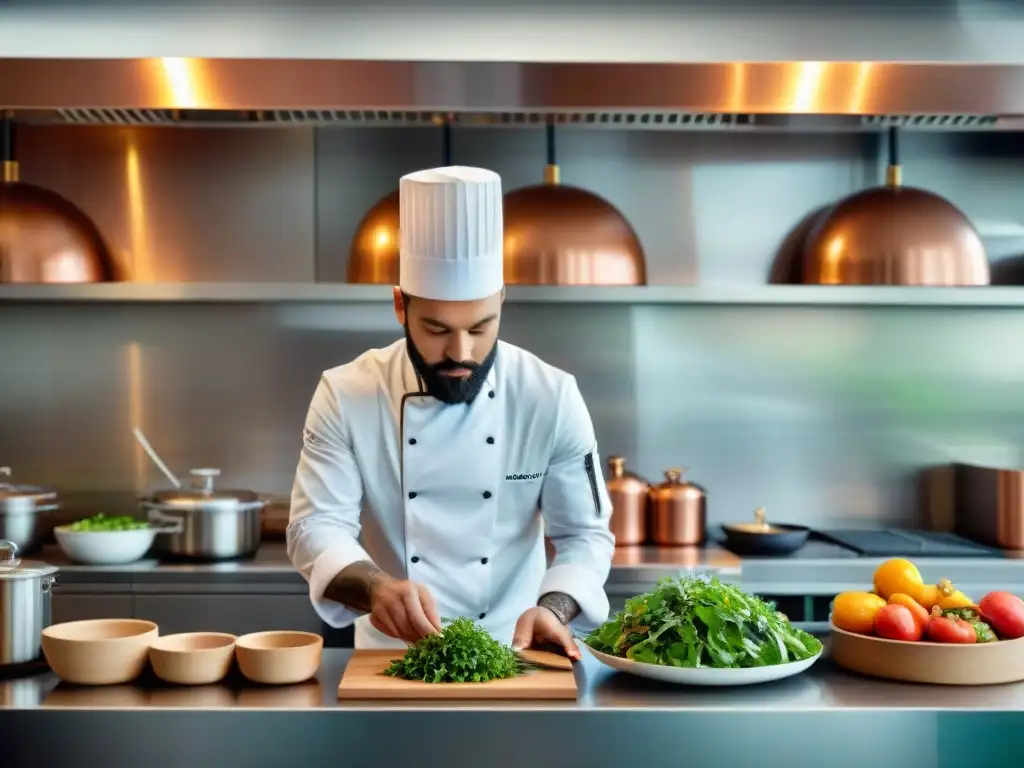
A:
<point x="207" y="523"/>
<point x="763" y="538"/>
<point x="25" y="513"/>
<point x="25" y="605"/>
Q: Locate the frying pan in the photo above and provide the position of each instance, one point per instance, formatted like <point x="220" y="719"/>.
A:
<point x="775" y="539"/>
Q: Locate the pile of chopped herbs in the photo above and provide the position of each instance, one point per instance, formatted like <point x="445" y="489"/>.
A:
<point x="700" y="622"/>
<point x="462" y="652"/>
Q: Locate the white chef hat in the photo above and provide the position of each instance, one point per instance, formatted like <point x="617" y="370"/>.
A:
<point x="450" y="234"/>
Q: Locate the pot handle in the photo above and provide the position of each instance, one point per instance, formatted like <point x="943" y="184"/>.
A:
<point x="163" y="523"/>
<point x="8" y="555"/>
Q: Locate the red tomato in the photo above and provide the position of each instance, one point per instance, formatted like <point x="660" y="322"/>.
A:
<point x="943" y="629"/>
<point x="897" y="622"/>
<point x="1004" y="613"/>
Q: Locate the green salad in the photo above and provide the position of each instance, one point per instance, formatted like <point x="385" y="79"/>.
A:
<point x="700" y="622"/>
<point x="106" y="523"/>
<point x="462" y="652"/>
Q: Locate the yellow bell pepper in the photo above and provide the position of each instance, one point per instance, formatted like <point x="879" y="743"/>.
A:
<point x="949" y="596"/>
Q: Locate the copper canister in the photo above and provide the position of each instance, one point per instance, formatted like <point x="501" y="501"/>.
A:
<point x="678" y="511"/>
<point x="628" y="493"/>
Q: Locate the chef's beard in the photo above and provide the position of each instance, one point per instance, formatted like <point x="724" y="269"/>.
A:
<point x="450" y="389"/>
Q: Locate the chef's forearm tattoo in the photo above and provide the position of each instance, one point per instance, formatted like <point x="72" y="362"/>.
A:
<point x="564" y="607"/>
<point x="354" y="586"/>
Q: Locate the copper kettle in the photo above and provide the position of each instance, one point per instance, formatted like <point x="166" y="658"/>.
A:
<point x="678" y="511"/>
<point x="628" y="493"/>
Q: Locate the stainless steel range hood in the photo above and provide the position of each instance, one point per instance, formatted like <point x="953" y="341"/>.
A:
<point x="291" y="88"/>
<point x="654" y="64"/>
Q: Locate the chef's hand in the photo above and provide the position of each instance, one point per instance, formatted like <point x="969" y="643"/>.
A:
<point x="540" y="626"/>
<point x="403" y="610"/>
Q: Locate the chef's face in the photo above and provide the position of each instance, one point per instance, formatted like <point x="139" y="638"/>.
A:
<point x="452" y="344"/>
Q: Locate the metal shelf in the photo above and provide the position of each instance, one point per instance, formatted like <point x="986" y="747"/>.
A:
<point x="752" y="295"/>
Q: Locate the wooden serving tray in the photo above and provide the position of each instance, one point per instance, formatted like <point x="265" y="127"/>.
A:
<point x="364" y="679"/>
<point x="937" y="663"/>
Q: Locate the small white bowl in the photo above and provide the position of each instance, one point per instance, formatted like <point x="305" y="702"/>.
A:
<point x="104" y="547"/>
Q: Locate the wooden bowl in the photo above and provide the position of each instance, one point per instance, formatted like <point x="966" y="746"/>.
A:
<point x="192" y="658"/>
<point x="279" y="657"/>
<point x="938" y="663"/>
<point x="99" y="651"/>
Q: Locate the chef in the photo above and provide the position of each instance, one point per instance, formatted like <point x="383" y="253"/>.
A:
<point x="431" y="469"/>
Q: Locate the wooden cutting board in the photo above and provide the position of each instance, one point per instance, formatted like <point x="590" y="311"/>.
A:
<point x="364" y="679"/>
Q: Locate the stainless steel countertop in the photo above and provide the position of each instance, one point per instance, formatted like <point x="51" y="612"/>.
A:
<point x="818" y="569"/>
<point x="825" y="687"/>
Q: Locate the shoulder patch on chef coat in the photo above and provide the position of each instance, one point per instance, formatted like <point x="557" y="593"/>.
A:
<point x="523" y="477"/>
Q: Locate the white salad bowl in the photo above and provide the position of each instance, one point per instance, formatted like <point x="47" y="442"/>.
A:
<point x="105" y="547"/>
<point x="704" y="676"/>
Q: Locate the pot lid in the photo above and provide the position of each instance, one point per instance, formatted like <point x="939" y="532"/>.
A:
<point x="202" y="493"/>
<point x="15" y="498"/>
<point x="13" y="567"/>
<point x="760" y="526"/>
<point x="675" y="485"/>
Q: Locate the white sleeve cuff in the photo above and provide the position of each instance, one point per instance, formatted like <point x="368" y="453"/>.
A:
<point x="584" y="587"/>
<point x="327" y="565"/>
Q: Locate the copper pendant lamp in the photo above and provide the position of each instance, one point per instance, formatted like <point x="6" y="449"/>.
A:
<point x="895" y="235"/>
<point x="556" y="234"/>
<point x="44" y="237"/>
<point x="373" y="256"/>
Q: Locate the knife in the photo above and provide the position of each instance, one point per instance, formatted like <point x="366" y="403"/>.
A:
<point x="542" y="659"/>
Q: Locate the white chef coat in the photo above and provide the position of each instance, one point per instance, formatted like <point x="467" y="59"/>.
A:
<point x="456" y="497"/>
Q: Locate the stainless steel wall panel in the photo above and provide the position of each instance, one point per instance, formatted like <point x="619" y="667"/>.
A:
<point x="821" y="414"/>
<point x="187" y="205"/>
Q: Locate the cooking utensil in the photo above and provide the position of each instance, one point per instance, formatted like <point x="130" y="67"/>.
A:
<point x="279" y="658"/>
<point x="541" y="659"/>
<point x="25" y="605"/>
<point x="629" y="495"/>
<point x="924" y="662"/>
<point x="678" y="511"/>
<point x="105" y="547"/>
<point x="373" y="256"/>
<point x="561" y="235"/>
<point x="192" y="658"/>
<point x="45" y="238"/>
<point x="155" y="458"/>
<point x="895" y="235"/>
<point x="364" y="679"/>
<point x="705" y="676"/>
<point x="25" y="513"/>
<point x="762" y="538"/>
<point x="202" y="523"/>
<point x="209" y="524"/>
<point x="99" y="651"/>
